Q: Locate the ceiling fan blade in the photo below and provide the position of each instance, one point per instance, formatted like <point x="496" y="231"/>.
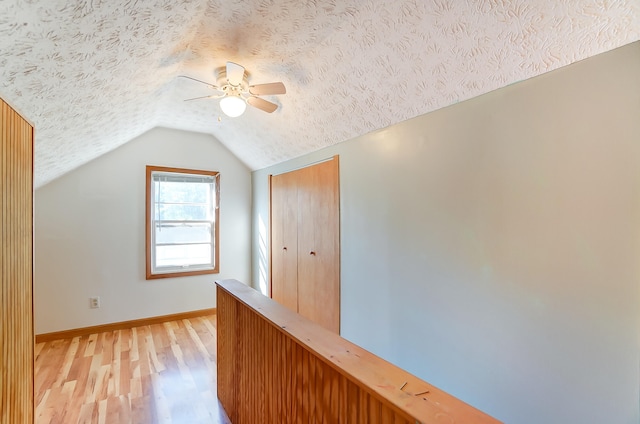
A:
<point x="235" y="73"/>
<point x="215" y="87"/>
<point x="267" y="89"/>
<point x="262" y="104"/>
<point x="202" y="97"/>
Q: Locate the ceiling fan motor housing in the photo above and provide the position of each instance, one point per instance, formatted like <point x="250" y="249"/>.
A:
<point x="229" y="89"/>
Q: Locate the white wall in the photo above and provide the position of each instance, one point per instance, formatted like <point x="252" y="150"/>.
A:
<point x="90" y="234"/>
<point x="493" y="247"/>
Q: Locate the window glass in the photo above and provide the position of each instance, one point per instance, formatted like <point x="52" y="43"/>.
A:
<point x="182" y="222"/>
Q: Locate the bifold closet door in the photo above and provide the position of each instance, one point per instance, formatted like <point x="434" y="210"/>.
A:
<point x="284" y="240"/>
<point x="305" y="242"/>
<point x="319" y="244"/>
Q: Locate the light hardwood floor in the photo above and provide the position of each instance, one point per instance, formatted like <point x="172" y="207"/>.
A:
<point x="163" y="373"/>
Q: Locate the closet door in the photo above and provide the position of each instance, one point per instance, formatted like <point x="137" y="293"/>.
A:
<point x="284" y="240"/>
<point x="319" y="244"/>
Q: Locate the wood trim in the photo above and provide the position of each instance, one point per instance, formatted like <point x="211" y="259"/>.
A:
<point x="270" y="291"/>
<point x="147" y="221"/>
<point x="276" y="366"/>
<point x="77" y="332"/>
<point x="32" y="270"/>
<point x="148" y="201"/>
<point x="319" y="161"/>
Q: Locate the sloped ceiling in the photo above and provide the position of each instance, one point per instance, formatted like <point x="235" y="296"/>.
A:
<point x="91" y="75"/>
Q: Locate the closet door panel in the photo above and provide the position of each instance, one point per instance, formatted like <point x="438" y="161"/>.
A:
<point x="319" y="244"/>
<point x="306" y="246"/>
<point x="284" y="240"/>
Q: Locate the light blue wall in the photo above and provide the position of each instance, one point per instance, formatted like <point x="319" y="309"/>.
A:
<point x="493" y="247"/>
<point x="90" y="234"/>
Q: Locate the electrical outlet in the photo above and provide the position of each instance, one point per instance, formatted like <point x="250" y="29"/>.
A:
<point x="94" y="302"/>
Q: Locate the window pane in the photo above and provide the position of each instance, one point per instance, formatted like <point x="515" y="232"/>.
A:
<point x="183" y="208"/>
<point x="183" y="255"/>
<point x="173" y="192"/>
<point x="183" y="212"/>
<point x="182" y="233"/>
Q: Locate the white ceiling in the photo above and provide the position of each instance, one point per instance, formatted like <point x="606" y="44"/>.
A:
<point x="91" y="75"/>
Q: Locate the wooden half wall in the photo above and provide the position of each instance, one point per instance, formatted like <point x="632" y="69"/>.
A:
<point x="275" y="366"/>
<point x="16" y="260"/>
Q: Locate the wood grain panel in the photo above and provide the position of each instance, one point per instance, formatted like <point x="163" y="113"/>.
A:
<point x="284" y="240"/>
<point x="225" y="353"/>
<point x="16" y="259"/>
<point x="275" y="366"/>
<point x="305" y="242"/>
<point x="319" y="244"/>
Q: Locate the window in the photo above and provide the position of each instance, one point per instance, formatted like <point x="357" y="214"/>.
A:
<point x="182" y="222"/>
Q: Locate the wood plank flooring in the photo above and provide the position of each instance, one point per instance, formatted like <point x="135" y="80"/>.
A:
<point x="163" y="373"/>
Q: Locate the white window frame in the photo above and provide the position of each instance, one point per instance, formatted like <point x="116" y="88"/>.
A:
<point x="152" y="271"/>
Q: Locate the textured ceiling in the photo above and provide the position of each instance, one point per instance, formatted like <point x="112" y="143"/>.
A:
<point x="91" y="75"/>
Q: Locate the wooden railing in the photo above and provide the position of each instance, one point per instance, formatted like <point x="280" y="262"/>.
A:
<point x="274" y="366"/>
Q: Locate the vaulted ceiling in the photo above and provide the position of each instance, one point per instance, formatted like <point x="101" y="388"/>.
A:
<point x="93" y="74"/>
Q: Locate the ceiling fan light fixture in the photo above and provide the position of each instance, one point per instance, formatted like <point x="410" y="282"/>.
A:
<point x="235" y="91"/>
<point x="232" y="105"/>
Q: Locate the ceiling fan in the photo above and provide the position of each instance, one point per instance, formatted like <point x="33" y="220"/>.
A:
<point x="235" y="91"/>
